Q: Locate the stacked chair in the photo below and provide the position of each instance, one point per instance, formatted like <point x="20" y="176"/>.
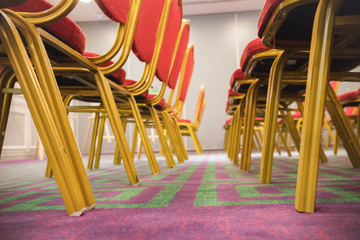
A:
<point x="52" y="69"/>
<point x="303" y="45"/>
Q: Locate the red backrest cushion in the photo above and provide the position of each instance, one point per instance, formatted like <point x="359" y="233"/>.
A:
<point x="265" y="14"/>
<point x="65" y="29"/>
<point x="116" y="10"/>
<point x="255" y="46"/>
<point x="145" y="35"/>
<point x="167" y="48"/>
<point x="174" y="75"/>
<point x="348" y="96"/>
<point x="188" y="73"/>
<point x="237" y="75"/>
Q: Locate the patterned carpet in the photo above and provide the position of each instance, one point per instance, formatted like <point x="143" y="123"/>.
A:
<point x="205" y="198"/>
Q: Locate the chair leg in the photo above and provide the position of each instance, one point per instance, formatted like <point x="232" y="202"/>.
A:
<point x="160" y="132"/>
<point x="271" y="112"/>
<point x="134" y="141"/>
<point x="236" y="125"/>
<point x="319" y="62"/>
<point x="99" y="140"/>
<point x="343" y="128"/>
<point x="76" y="197"/>
<point x="195" y="140"/>
<point x="7" y="80"/>
<point x="117" y="157"/>
<point x="250" y="112"/>
<point x="93" y="141"/>
<point x="286" y="146"/>
<point x="116" y="125"/>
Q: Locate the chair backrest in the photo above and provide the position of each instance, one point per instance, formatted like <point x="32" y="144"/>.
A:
<point x="146" y="30"/>
<point x="188" y="65"/>
<point x="180" y="52"/>
<point x="200" y="106"/>
<point x="167" y="49"/>
<point x="116" y="10"/>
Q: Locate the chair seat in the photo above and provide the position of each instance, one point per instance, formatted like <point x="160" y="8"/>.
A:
<point x="237" y="75"/>
<point x="266" y="13"/>
<point x="118" y="76"/>
<point x="183" y="121"/>
<point x="231" y="93"/>
<point x="349" y="95"/>
<point x="255" y="46"/>
<point x="297" y="115"/>
<point x="66" y="30"/>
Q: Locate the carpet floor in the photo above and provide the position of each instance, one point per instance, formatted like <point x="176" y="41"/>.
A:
<point x="207" y="197"/>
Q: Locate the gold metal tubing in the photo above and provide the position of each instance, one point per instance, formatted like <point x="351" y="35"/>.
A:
<point x="249" y="122"/>
<point x="114" y="119"/>
<point x="237" y="125"/>
<point x="93" y="141"/>
<point x="144" y="137"/>
<point x="343" y="128"/>
<point x="51" y="93"/>
<point x="271" y="112"/>
<point x="7" y="80"/>
<point x="319" y="63"/>
<point x="160" y="132"/>
<point x="43" y="119"/>
<point x="134" y="140"/>
<point x="54" y="14"/>
<point x="134" y="89"/>
<point x="287" y="149"/>
<point x="179" y="136"/>
<point x="130" y="29"/>
<point x="99" y="140"/>
<point x="117" y="157"/>
<point x="171" y="134"/>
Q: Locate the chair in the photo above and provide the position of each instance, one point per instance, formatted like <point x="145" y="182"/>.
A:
<point x="188" y="128"/>
<point x="44" y="101"/>
<point x="330" y="32"/>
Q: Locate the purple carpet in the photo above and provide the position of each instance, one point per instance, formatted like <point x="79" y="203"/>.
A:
<point x="205" y="198"/>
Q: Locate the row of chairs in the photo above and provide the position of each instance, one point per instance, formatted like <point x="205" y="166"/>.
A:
<point x="43" y="51"/>
<point x="302" y="46"/>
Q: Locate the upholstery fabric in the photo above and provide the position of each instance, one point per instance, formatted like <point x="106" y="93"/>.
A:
<point x="66" y="30"/>
<point x="175" y="71"/>
<point x="183" y="121"/>
<point x="118" y="76"/>
<point x="187" y="76"/>
<point x="351" y="111"/>
<point x="167" y="48"/>
<point x="255" y="46"/>
<point x="237" y="75"/>
<point x="349" y="95"/>
<point x="265" y="14"/>
<point x="145" y="35"/>
<point x="231" y="93"/>
<point x="297" y="115"/>
<point x="116" y="10"/>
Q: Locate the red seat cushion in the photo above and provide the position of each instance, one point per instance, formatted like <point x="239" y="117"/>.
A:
<point x="349" y="95"/>
<point x="231" y="93"/>
<point x="118" y="76"/>
<point x="116" y="10"/>
<point x="265" y="14"/>
<point x="351" y="112"/>
<point x="255" y="46"/>
<point x="237" y="75"/>
<point x="297" y="115"/>
<point x="66" y="30"/>
<point x="183" y="121"/>
<point x="143" y="96"/>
